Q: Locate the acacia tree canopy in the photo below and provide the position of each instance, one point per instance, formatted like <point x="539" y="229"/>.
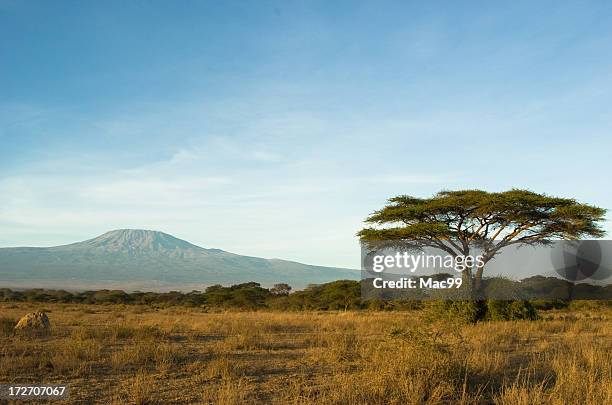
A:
<point x="453" y="220"/>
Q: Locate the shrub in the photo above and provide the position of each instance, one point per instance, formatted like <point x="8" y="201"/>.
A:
<point x="474" y="311"/>
<point x="499" y="310"/>
<point x="467" y="311"/>
<point x="522" y="310"/>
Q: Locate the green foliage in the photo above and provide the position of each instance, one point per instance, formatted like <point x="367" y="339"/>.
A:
<point x="337" y="295"/>
<point x="460" y="214"/>
<point x="464" y="311"/>
<point x="470" y="311"/>
<point x="497" y="310"/>
<point x="281" y="289"/>
<point x="502" y="310"/>
<point x="452" y="220"/>
<point x="521" y="310"/>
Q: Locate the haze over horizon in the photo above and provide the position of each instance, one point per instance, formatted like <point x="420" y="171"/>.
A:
<point x="273" y="129"/>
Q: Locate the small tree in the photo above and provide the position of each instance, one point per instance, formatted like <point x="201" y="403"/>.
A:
<point x="280" y="289"/>
<point x="453" y="220"/>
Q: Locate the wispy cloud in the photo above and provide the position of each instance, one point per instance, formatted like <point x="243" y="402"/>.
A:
<point x="286" y="154"/>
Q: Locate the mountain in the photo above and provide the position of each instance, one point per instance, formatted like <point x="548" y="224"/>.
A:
<point x="135" y="259"/>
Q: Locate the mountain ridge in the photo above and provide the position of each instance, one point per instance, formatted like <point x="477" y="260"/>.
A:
<point x="138" y="238"/>
<point x="138" y="257"/>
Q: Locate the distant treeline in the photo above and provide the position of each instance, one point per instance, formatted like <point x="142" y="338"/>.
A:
<point x="336" y="295"/>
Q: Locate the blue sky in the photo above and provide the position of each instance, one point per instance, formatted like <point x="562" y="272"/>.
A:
<point x="274" y="128"/>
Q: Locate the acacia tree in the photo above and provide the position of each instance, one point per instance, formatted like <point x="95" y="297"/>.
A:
<point x="455" y="220"/>
<point x="280" y="289"/>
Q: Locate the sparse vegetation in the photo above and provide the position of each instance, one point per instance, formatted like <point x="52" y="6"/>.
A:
<point x="7" y="326"/>
<point x="140" y="354"/>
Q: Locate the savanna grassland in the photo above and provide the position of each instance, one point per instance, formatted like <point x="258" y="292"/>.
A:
<point x="120" y="354"/>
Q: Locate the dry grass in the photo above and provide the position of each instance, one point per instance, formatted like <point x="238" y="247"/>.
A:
<point x="128" y="354"/>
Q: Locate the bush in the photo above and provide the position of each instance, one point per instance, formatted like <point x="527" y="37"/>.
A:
<point x="498" y="310"/>
<point x="518" y="310"/>
<point x="467" y="311"/>
<point x="474" y="311"/>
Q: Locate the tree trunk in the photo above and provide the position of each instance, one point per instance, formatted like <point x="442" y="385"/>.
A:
<point x="467" y="284"/>
<point x="478" y="279"/>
